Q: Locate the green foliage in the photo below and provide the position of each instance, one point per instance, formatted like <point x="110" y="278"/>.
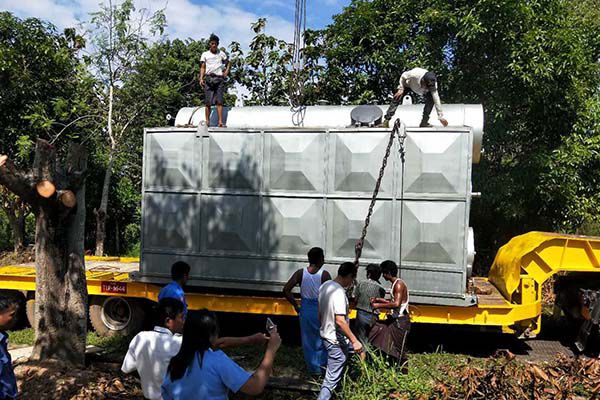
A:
<point x="113" y="344"/>
<point x="265" y="69"/>
<point x="43" y="90"/>
<point x="378" y="379"/>
<point x="6" y="240"/>
<point x="39" y="81"/>
<point x="533" y="65"/>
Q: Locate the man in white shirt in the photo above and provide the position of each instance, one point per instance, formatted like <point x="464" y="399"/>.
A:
<point x="214" y="68"/>
<point x="335" y="328"/>
<point x="424" y="83"/>
<point x="150" y="351"/>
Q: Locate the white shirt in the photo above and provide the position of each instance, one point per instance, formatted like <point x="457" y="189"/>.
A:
<point x="332" y="302"/>
<point x="412" y="79"/>
<point x="149" y="353"/>
<point x="215" y="62"/>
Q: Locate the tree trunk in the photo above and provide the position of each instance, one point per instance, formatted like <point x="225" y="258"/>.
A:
<point x="101" y="213"/>
<point x="61" y="291"/>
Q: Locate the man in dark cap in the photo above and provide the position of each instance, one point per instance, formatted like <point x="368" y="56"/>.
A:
<point x="424" y="83"/>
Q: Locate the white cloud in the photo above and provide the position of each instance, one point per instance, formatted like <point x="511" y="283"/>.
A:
<point x="185" y="19"/>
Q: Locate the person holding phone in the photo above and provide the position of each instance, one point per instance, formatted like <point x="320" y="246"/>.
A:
<point x="310" y="279"/>
<point x="200" y="371"/>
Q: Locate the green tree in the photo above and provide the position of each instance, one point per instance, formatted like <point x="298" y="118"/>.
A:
<point x="165" y="79"/>
<point x="118" y="36"/>
<point x="31" y="101"/>
<point x="44" y="113"/>
<point x="534" y="67"/>
<point x="264" y="71"/>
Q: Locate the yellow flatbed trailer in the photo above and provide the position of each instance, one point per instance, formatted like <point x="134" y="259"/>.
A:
<point x="510" y="299"/>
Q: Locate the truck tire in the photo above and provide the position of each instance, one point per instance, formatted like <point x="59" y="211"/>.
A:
<point x="116" y="316"/>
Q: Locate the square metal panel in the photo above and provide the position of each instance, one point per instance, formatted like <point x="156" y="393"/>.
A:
<point x="292" y="226"/>
<point x="170" y="221"/>
<point x="437" y="164"/>
<point x="357" y="160"/>
<point x="295" y="161"/>
<point x="230" y="224"/>
<point x="422" y="282"/>
<point x="233" y="161"/>
<point x="171" y="162"/>
<point x="434" y="232"/>
<point x="346" y="220"/>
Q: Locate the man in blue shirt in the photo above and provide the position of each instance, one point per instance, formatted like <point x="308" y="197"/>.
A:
<point x="8" y="317"/>
<point x="180" y="273"/>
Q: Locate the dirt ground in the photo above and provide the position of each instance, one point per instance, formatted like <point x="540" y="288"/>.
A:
<point x="55" y="382"/>
<point x="22" y="257"/>
<point x="501" y="377"/>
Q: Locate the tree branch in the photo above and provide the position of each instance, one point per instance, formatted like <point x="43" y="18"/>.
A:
<point x="18" y="182"/>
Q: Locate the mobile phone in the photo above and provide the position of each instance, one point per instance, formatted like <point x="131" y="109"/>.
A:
<point x="270" y="325"/>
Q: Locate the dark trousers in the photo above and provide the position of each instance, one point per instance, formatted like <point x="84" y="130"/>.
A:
<point x="426" y="110"/>
<point x="362" y="325"/>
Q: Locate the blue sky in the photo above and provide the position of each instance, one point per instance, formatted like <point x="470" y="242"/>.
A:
<point x="193" y="18"/>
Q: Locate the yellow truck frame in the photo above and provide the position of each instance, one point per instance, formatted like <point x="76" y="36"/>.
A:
<point x="510" y="299"/>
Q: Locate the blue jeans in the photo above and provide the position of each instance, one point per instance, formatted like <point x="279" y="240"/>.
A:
<point x="337" y="355"/>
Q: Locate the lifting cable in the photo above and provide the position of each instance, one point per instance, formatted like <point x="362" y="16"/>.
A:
<point x="296" y="86"/>
<point x="398" y="131"/>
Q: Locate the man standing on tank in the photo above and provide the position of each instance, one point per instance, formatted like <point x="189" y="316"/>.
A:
<point x="214" y="68"/>
<point x="310" y="279"/>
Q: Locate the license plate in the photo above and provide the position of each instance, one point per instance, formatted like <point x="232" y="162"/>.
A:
<point x="114" y="287"/>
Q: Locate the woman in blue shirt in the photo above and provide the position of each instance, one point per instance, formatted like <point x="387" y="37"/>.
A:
<point x="198" y="372"/>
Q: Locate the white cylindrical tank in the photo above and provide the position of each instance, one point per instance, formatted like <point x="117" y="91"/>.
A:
<point x="335" y="117"/>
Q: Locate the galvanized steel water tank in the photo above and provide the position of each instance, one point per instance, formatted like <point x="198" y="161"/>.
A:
<point x="244" y="204"/>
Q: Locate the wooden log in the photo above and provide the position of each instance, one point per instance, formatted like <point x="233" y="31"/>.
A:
<point x="44" y="168"/>
<point x="67" y="198"/>
<point x="45" y="188"/>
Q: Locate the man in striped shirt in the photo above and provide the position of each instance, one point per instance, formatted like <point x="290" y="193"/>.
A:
<point x="364" y="291"/>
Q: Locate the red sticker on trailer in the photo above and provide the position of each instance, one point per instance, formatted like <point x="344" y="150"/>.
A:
<point x="114" y="287"/>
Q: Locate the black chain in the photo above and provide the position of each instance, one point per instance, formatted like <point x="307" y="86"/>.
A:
<point x="401" y="138"/>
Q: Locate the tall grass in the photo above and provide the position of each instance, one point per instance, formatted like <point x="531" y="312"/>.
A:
<point x="378" y="379"/>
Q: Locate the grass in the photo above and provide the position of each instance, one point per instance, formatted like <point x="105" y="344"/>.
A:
<point x="21" y="337"/>
<point x="289" y="361"/>
<point x="378" y="379"/>
<point x="110" y="345"/>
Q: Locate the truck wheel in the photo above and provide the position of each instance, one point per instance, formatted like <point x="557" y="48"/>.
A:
<point x="30" y="311"/>
<point x="116" y="316"/>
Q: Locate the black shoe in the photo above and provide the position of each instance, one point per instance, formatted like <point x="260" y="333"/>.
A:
<point x="425" y="125"/>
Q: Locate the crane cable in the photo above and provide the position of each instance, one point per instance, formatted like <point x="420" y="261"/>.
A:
<point x="296" y="86"/>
